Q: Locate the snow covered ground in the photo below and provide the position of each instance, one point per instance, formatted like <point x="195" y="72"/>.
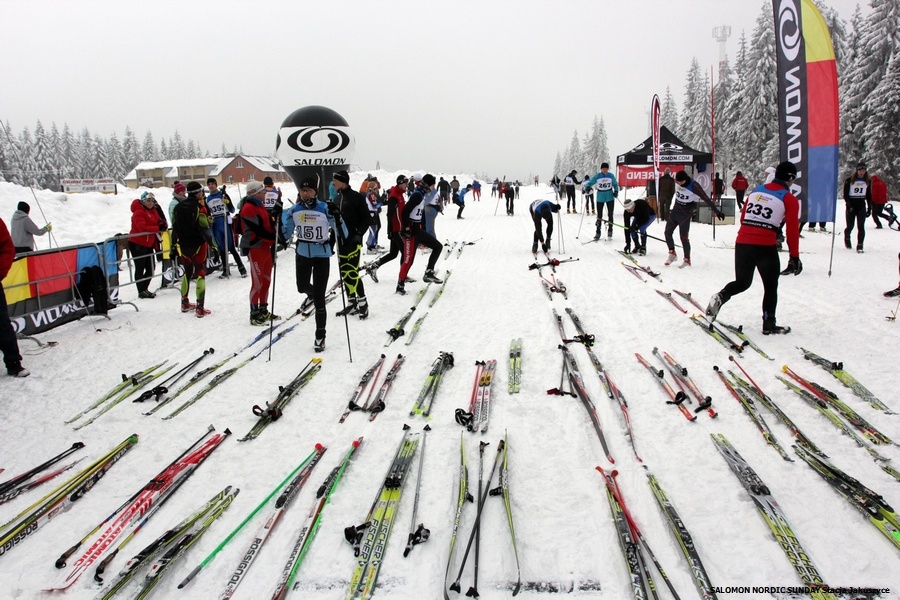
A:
<point x="566" y="536"/>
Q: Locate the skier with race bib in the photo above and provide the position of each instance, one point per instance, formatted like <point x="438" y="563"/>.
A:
<point x="756" y="247"/>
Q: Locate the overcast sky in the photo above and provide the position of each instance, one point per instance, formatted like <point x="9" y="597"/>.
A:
<point x="488" y="86"/>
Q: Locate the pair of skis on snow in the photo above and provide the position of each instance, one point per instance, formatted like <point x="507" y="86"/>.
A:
<point x="374" y="402"/>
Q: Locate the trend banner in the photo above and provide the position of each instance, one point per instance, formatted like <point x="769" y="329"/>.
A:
<point x="808" y="105"/>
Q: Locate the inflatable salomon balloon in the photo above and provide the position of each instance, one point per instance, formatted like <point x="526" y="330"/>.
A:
<point x="314" y="139"/>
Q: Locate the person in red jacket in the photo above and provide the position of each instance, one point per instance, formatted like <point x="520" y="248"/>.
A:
<point x="396" y="202"/>
<point x="739" y="184"/>
<point x="146" y="219"/>
<point x="879" y="199"/>
<point x="8" y="344"/>
<point x="755" y="249"/>
<point x="259" y="241"/>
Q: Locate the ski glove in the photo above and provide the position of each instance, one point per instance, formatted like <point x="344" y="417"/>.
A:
<point x="795" y="267"/>
<point x="49" y="227"/>
<point x="720" y="215"/>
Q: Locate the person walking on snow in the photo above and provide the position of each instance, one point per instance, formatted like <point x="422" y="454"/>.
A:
<point x="755" y="248"/>
<point x="858" y="200"/>
<point x="258" y="241"/>
<point x="607" y="191"/>
<point x="9" y="346"/>
<point x="355" y="215"/>
<point x="687" y="193"/>
<point x="395" y="203"/>
<point x="739" y="184"/>
<point x="542" y="209"/>
<point x="889" y="294"/>
<point x="587" y="192"/>
<point x="414" y="233"/>
<point x="879" y="199"/>
<point x="315" y="223"/>
<point x="193" y="240"/>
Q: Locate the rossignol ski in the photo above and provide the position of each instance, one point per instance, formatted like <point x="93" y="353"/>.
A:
<point x="307" y="532"/>
<point x="314" y="455"/>
<point x="282" y="503"/>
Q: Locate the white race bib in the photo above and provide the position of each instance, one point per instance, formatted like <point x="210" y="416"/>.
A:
<point x="310" y="226"/>
<point x="271" y="199"/>
<point x="764" y="210"/>
<point x="858" y="188"/>
<point x="216" y="207"/>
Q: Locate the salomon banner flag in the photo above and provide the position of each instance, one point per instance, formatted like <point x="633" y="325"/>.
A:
<point x="654" y="112"/>
<point x="808" y="105"/>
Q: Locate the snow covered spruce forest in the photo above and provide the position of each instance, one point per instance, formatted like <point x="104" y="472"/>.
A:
<point x="566" y="536"/>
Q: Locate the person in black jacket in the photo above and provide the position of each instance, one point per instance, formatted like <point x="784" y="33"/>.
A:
<point x="193" y="239"/>
<point x="858" y="198"/>
<point x="355" y="213"/>
<point x="638" y="217"/>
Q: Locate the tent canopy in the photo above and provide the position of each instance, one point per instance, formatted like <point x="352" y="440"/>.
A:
<point x="671" y="151"/>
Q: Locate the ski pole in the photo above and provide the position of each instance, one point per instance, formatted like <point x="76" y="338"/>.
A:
<point x="580" y="223"/>
<point x="562" y="240"/>
<point x="271" y="312"/>
<point x="420" y="534"/>
<point x="629" y="229"/>
<point x="473" y="591"/>
<point x="455" y="585"/>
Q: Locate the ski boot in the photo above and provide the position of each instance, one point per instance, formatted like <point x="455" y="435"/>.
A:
<point x="672" y="258"/>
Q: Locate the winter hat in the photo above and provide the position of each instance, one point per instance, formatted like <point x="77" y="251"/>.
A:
<point x="254" y="187"/>
<point x="628" y="205"/>
<point x="786" y="171"/>
<point x="861" y="165"/>
<point x="401" y="179"/>
<point x="180" y="189"/>
<point x="428" y="179"/>
<point x="417" y="177"/>
<point x="147" y="196"/>
<point x="311" y="182"/>
<point x="267" y="181"/>
<point x="342" y="176"/>
<point x="193" y="187"/>
<point x="555" y="207"/>
<point x="24" y="207"/>
<point x="604" y="165"/>
<point x="682" y="176"/>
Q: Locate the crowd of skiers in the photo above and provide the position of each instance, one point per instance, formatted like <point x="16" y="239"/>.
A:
<point x="205" y="222"/>
<point x="201" y="222"/>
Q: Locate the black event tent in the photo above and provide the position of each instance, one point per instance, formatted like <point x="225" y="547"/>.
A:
<point x="671" y="151"/>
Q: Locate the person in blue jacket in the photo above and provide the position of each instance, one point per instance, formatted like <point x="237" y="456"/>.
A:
<point x="220" y="208"/>
<point x="607" y="189"/>
<point x="687" y="193"/>
<point x="542" y="209"/>
<point x="314" y="222"/>
<point x="460" y="200"/>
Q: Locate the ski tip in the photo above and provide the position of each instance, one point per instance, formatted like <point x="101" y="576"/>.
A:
<point x="319" y="447"/>
<point x="356" y="443"/>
